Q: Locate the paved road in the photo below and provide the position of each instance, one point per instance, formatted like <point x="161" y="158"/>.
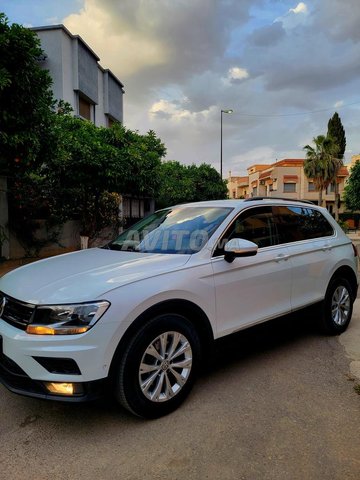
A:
<point x="278" y="404"/>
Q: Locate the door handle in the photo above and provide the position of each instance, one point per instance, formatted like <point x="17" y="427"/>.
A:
<point x="281" y="257"/>
<point x="326" y="246"/>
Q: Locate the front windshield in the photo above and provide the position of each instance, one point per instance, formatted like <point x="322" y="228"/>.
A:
<point x="173" y="230"/>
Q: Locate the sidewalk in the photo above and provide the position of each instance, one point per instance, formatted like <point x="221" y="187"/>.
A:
<point x="355" y="238"/>
<point x="350" y="340"/>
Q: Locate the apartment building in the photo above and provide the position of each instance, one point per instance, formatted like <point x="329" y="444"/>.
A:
<point x="94" y="93"/>
<point x="284" y="178"/>
<point x="238" y="187"/>
<point x="354" y="160"/>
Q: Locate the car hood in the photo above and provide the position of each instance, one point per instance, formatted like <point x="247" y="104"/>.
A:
<point x="84" y="275"/>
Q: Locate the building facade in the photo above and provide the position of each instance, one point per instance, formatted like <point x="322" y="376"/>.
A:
<point x="238" y="187"/>
<point x="354" y="160"/>
<point x="284" y="178"/>
<point x="94" y="93"/>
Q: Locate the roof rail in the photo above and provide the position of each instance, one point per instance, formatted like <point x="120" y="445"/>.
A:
<point x="251" y="199"/>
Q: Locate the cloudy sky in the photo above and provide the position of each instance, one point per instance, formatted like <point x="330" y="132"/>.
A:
<point x="283" y="66"/>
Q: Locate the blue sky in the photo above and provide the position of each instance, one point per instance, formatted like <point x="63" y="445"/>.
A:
<point x="36" y="13"/>
<point x="283" y="66"/>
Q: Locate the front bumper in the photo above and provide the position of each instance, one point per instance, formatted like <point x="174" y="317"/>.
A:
<point x="17" y="381"/>
<point x="29" y="363"/>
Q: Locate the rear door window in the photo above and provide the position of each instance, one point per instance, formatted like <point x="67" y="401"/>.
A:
<point x="300" y="223"/>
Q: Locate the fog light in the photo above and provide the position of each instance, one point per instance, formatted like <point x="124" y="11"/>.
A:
<point x="64" y="388"/>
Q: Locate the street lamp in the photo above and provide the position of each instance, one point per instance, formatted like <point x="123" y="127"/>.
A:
<point x="221" y="123"/>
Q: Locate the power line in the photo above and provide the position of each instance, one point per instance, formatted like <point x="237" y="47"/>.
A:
<point x="294" y="114"/>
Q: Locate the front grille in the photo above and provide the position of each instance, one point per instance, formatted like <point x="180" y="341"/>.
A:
<point x="14" y="312"/>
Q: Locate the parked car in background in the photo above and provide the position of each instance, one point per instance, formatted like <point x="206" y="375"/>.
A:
<point x="141" y="313"/>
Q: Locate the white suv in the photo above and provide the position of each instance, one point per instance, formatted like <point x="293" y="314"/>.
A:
<point x="141" y="313"/>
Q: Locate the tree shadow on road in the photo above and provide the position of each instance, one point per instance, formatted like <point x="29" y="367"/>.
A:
<point x="264" y="338"/>
<point x="237" y="350"/>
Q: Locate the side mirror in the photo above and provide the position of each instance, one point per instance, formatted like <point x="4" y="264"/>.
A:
<point x="238" y="247"/>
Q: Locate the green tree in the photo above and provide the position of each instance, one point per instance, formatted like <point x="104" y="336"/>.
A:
<point x="92" y="166"/>
<point x="26" y="121"/>
<point x="25" y="98"/>
<point x="207" y="183"/>
<point x="141" y="156"/>
<point x="175" y="185"/>
<point x="321" y="163"/>
<point x="189" y="183"/>
<point x="352" y="189"/>
<point x="337" y="132"/>
<point x="84" y="171"/>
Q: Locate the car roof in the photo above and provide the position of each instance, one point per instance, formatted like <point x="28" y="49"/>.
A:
<point x="248" y="202"/>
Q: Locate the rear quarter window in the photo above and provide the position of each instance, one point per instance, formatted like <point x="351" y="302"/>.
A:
<point x="301" y="223"/>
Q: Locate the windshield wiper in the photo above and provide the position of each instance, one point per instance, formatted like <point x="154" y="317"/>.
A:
<point x="119" y="248"/>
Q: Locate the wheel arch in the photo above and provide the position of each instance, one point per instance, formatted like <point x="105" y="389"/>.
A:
<point x="348" y="273"/>
<point x="182" y="307"/>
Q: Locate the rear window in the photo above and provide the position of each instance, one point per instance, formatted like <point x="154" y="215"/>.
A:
<point x="300" y="223"/>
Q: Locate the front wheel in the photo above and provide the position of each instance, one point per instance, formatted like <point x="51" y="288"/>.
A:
<point x="338" y="306"/>
<point x="158" y="368"/>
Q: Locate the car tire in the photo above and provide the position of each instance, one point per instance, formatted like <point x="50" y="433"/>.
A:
<point x="158" y="368"/>
<point x="338" y="307"/>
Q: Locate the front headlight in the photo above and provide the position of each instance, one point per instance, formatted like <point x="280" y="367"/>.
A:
<point x="66" y="319"/>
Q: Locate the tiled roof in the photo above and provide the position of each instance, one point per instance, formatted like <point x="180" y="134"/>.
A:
<point x="289" y="161"/>
<point x="264" y="175"/>
<point x="259" y="166"/>
<point x="343" y="172"/>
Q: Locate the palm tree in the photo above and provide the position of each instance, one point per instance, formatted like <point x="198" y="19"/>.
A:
<point x="322" y="164"/>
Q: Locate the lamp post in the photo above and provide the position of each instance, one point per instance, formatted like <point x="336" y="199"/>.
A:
<point x="221" y="141"/>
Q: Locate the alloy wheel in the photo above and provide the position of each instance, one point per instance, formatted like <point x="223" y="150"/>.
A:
<point x="165" y="366"/>
<point x="340" y="305"/>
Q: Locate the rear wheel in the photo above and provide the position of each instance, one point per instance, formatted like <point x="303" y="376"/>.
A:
<point x="338" y="306"/>
<point x="158" y="368"/>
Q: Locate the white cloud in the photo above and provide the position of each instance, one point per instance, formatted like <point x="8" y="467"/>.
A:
<point x="300" y="8"/>
<point x="181" y="62"/>
<point x="238" y="73"/>
<point x="235" y="75"/>
<point x="339" y="104"/>
<point x="294" y="16"/>
<point x="173" y="111"/>
<point x="125" y="48"/>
